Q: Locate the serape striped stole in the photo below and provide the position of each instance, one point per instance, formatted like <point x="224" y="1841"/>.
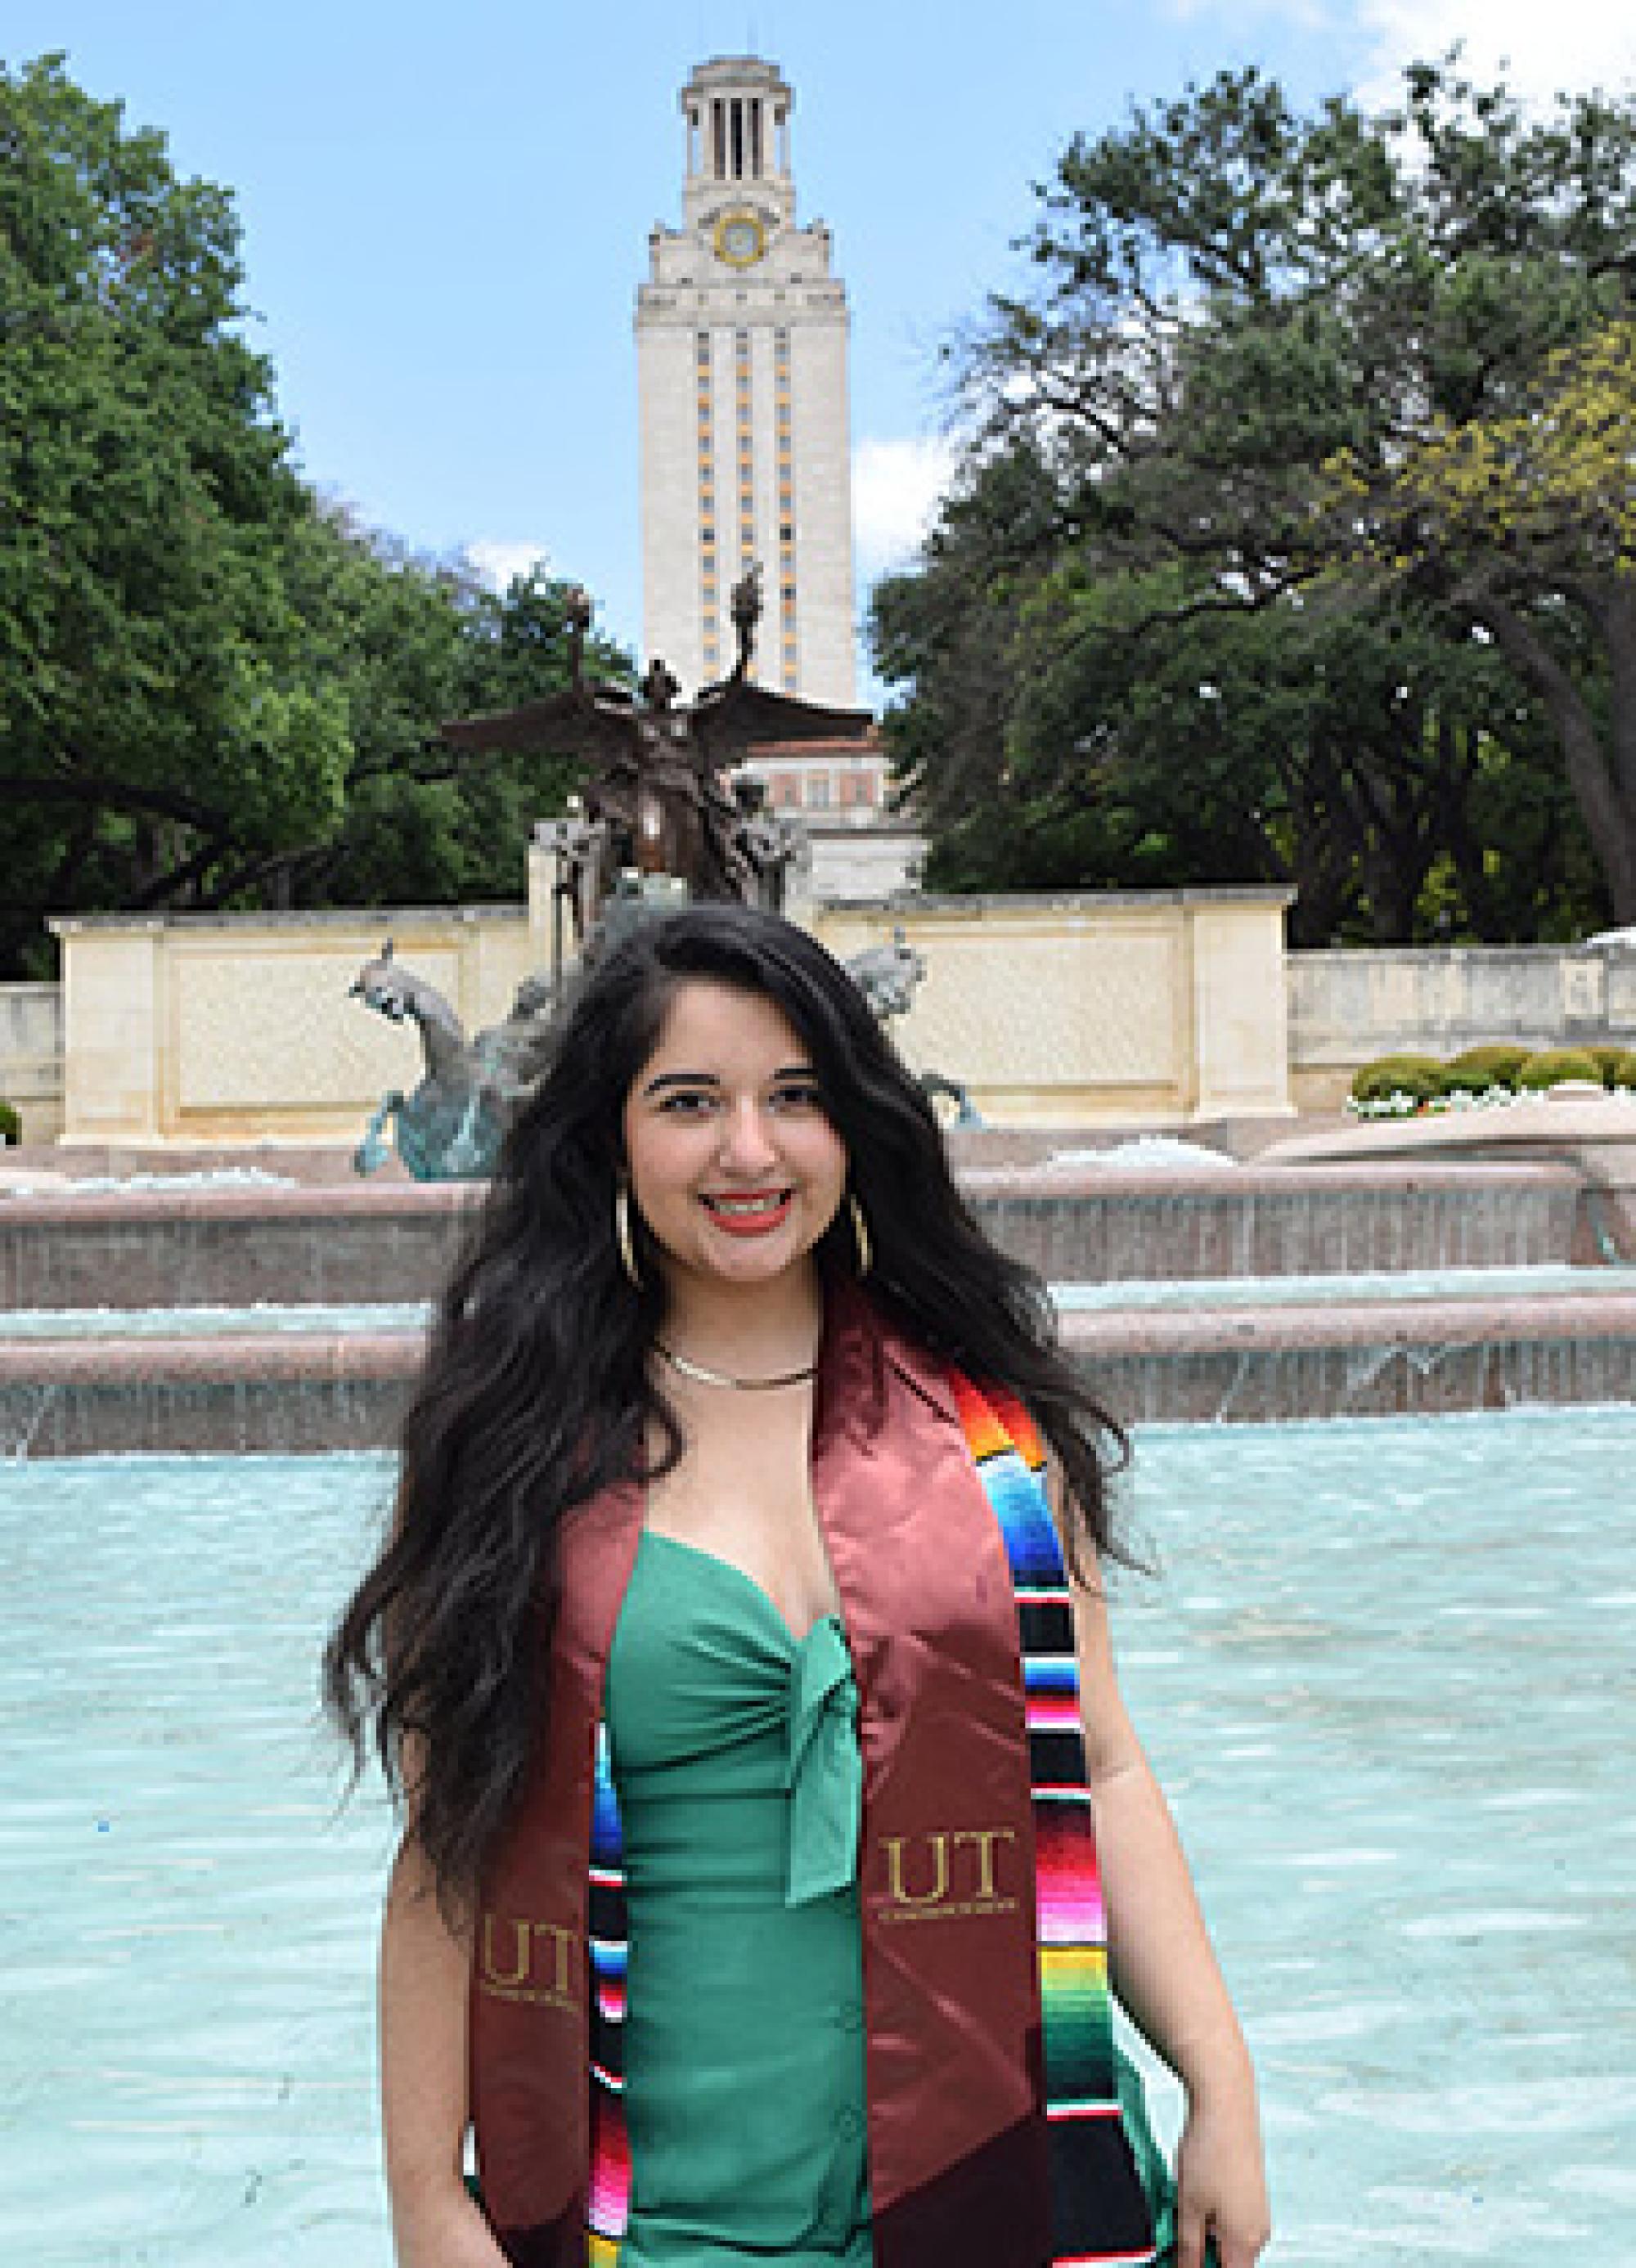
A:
<point x="1099" y="2213"/>
<point x="608" y="2204"/>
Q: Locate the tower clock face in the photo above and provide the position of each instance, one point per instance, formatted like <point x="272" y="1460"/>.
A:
<point x="740" y="239"/>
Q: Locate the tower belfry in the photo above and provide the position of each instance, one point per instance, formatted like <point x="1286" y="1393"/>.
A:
<point x="741" y="335"/>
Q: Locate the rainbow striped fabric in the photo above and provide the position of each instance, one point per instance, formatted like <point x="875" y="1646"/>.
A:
<point x="610" y="2203"/>
<point x="1100" y="2212"/>
<point x="1100" y="2215"/>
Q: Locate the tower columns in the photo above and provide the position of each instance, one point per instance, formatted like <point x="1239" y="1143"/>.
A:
<point x="741" y="353"/>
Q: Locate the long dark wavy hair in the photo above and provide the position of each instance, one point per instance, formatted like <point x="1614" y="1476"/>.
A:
<point x="537" y="1388"/>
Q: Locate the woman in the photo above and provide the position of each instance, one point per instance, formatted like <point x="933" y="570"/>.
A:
<point x="698" y="1633"/>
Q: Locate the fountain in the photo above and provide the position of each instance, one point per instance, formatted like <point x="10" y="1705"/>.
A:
<point x="1483" y="1283"/>
<point x="657" y="824"/>
<point x="1367" y="1644"/>
<point x="1498" y="1260"/>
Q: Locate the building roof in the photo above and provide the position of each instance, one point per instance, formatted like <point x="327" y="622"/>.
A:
<point x="864" y="743"/>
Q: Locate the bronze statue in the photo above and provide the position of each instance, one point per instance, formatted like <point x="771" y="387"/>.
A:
<point x="886" y="976"/>
<point x="449" y="1127"/>
<point x="658" y="823"/>
<point x="658" y="802"/>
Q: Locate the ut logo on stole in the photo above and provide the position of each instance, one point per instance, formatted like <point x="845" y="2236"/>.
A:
<point x="952" y="1873"/>
<point x="530" y="1961"/>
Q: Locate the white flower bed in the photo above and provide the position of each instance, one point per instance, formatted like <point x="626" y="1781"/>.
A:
<point x="1399" y="1105"/>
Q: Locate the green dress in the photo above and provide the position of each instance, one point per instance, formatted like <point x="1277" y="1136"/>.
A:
<point x="735" y="1758"/>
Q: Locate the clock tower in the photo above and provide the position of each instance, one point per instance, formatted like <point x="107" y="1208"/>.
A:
<point x="741" y="335"/>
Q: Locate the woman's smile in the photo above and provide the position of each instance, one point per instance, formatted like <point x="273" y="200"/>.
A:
<point x="751" y="1213"/>
<point x="735" y="1169"/>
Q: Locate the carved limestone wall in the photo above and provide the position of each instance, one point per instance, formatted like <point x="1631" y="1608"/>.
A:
<point x="226" y="1027"/>
<point x="1073" y="1010"/>
<point x="1156" y="1007"/>
<point x="1348" y="1007"/>
<point x="31" y="1058"/>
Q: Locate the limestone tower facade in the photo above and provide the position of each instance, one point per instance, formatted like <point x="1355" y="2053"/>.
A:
<point x="741" y="339"/>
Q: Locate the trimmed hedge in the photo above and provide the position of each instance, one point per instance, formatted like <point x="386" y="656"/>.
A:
<point x="10" y="1125"/>
<point x="1419" y="1075"/>
<point x="1425" y="1079"/>
<point x="1551" y="1065"/>
<point x="1495" y="1064"/>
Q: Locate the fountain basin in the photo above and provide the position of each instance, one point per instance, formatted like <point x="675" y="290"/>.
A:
<point x="291" y="1395"/>
<point x="324" y="1390"/>
<point x="1377" y="1674"/>
<point x="356" y="1245"/>
<point x="1209" y="1365"/>
<point x="1594" y="1135"/>
<point x="151" y="1248"/>
<point x="1095" y="1225"/>
<point x="1247" y="1292"/>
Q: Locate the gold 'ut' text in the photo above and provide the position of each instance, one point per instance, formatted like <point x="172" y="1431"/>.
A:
<point x="532" y="1961"/>
<point x="951" y="1875"/>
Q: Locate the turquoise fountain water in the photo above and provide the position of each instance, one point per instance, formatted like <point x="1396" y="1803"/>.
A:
<point x="1386" y="1673"/>
<point x="1163" y="1294"/>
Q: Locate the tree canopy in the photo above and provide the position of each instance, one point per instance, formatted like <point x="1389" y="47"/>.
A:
<point x="214" y="689"/>
<point x="1297" y="529"/>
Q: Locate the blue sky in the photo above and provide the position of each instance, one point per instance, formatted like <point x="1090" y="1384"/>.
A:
<point x="446" y="210"/>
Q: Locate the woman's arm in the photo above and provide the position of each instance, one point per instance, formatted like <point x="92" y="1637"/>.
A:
<point x="1166" y="1972"/>
<point x="425" y="1975"/>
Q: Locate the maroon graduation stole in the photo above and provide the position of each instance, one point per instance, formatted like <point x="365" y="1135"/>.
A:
<point x="994" y="2134"/>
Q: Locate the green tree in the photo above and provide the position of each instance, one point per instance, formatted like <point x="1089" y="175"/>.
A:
<point x="214" y="690"/>
<point x="1268" y="351"/>
<point x="1525" y="515"/>
<point x="152" y="723"/>
<point x="1111" y="731"/>
<point x="1351" y="752"/>
<point x="947" y="633"/>
<point x="409" y="644"/>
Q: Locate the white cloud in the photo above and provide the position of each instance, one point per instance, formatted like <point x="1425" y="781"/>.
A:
<point x="1540" y="51"/>
<point x="500" y="564"/>
<point x="896" y="486"/>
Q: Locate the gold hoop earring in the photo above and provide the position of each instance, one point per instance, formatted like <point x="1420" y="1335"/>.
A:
<point x="622" y="1237"/>
<point x="860" y="1236"/>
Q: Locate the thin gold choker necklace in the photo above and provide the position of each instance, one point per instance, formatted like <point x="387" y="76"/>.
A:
<point x="703" y="1377"/>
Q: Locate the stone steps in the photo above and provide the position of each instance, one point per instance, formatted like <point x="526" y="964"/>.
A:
<point x="1090" y="1224"/>
<point x="365" y="1246"/>
<point x="348" y="1391"/>
<point x="1215" y="1364"/>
